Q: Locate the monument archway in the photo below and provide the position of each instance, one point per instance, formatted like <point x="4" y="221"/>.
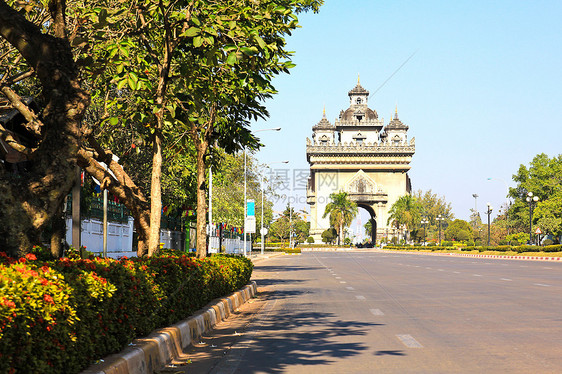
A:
<point x="362" y="156"/>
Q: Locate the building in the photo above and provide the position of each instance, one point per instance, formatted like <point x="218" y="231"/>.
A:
<point x="358" y="154"/>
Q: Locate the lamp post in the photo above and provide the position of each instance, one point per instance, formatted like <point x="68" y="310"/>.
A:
<point x="245" y="189"/>
<point x="424" y="222"/>
<point x="506" y="200"/>
<point x="439" y="219"/>
<point x="488" y="212"/>
<point x="532" y="200"/>
<point x="262" y="232"/>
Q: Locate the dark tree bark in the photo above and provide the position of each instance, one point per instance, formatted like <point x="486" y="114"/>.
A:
<point x="29" y="201"/>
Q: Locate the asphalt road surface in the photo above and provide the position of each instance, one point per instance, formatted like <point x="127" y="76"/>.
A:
<point x="381" y="312"/>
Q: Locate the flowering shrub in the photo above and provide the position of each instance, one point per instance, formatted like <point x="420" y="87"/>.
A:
<point x="60" y="316"/>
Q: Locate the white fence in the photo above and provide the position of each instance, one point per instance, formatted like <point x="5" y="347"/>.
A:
<point x="119" y="237"/>
<point x="231" y="246"/>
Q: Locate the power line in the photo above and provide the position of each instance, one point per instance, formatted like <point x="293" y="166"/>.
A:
<point x="395" y="71"/>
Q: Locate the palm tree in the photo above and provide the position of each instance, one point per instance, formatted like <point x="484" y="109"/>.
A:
<point x="341" y="211"/>
<point x="405" y="211"/>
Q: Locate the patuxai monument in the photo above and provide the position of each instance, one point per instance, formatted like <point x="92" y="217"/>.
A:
<point x="358" y="154"/>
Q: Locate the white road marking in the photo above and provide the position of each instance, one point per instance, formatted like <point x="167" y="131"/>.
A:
<point x="506" y="279"/>
<point x="440" y="270"/>
<point x="541" y="284"/>
<point x="377" y="312"/>
<point x="343" y="282"/>
<point x="409" y="341"/>
<point x="476" y="275"/>
<point x="338" y="277"/>
<point x="428" y="268"/>
<point x="547" y="268"/>
<point x="350" y="288"/>
<point x="456" y="272"/>
<point x="359" y="297"/>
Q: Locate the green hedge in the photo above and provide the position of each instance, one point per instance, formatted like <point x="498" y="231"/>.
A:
<point x="60" y="316"/>
<point x="498" y="248"/>
<point x="286" y="250"/>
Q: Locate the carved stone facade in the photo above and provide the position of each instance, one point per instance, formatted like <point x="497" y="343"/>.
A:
<point x="358" y="154"/>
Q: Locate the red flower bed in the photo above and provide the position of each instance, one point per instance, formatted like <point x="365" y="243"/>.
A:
<point x="60" y="316"/>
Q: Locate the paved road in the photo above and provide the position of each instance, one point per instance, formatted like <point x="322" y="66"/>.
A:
<point x="380" y="312"/>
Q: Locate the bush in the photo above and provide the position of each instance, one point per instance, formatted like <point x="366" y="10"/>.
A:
<point x="310" y="240"/>
<point x="547" y="242"/>
<point x="553" y="248"/>
<point x="60" y="316"/>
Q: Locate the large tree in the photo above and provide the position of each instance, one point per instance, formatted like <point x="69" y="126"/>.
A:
<point x="543" y="177"/>
<point x="341" y="211"/>
<point x="195" y="72"/>
<point x="31" y="197"/>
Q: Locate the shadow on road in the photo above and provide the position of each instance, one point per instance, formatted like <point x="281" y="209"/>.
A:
<point x="286" y="269"/>
<point x="302" y="337"/>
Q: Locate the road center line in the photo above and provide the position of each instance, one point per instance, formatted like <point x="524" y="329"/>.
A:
<point x="376" y="312"/>
<point x="541" y="284"/>
<point x="350" y="288"/>
<point x="409" y="341"/>
<point x="506" y="279"/>
<point x="359" y="297"/>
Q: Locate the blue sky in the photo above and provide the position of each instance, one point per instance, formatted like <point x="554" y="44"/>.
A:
<point x="482" y="93"/>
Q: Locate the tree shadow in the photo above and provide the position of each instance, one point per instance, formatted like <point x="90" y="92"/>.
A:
<point x="303" y="337"/>
<point x="390" y="353"/>
<point x="285" y="269"/>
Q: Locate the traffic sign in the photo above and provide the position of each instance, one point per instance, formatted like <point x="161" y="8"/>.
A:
<point x="250" y="226"/>
<point x="538" y="231"/>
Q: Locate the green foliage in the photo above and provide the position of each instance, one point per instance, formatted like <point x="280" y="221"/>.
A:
<point x="341" y="211"/>
<point x="459" y="230"/>
<point x="310" y="240"/>
<point x="543" y="177"/>
<point x="519" y="238"/>
<point x="406" y="211"/>
<point x="329" y="236"/>
<point x="60" y="316"/>
<point x="290" y="220"/>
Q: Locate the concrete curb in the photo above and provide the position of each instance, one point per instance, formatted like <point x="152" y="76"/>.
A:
<point x="541" y="258"/>
<point x="163" y="345"/>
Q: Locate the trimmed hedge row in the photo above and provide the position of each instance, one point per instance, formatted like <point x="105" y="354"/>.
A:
<point x="499" y="248"/>
<point x="60" y="316"/>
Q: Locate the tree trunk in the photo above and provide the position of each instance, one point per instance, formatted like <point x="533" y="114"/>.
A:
<point x="121" y="186"/>
<point x="201" y="200"/>
<point x="155" y="195"/>
<point x="58" y="233"/>
<point x="30" y="200"/>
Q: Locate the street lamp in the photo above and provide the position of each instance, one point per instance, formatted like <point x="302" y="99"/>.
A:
<point x="439" y="219"/>
<point x="245" y="189"/>
<point x="506" y="200"/>
<point x="262" y="232"/>
<point x="532" y="200"/>
<point x="424" y="222"/>
<point x="488" y="212"/>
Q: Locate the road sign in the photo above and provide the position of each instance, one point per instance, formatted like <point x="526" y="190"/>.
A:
<point x="250" y="208"/>
<point x="250" y="226"/>
<point x="538" y="231"/>
<point x="263" y="231"/>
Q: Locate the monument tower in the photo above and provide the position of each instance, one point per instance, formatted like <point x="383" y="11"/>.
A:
<point x="358" y="154"/>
